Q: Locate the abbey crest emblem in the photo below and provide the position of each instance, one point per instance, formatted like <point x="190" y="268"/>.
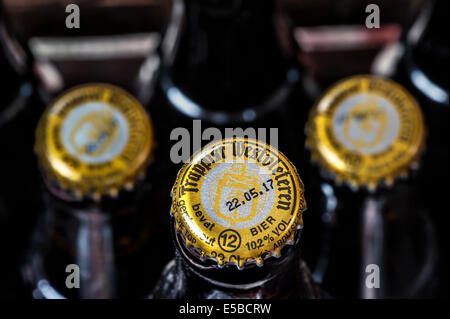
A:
<point x="94" y="133"/>
<point x="231" y="186"/>
<point x="365" y="125"/>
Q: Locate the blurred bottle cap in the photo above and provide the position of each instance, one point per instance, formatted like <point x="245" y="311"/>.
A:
<point x="93" y="140"/>
<point x="365" y="131"/>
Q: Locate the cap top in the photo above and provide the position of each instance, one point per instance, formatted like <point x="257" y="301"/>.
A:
<point x="94" y="139"/>
<point x="238" y="201"/>
<point x="366" y="130"/>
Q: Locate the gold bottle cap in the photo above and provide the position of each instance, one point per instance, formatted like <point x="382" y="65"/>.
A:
<point x="365" y="131"/>
<point x="93" y="140"/>
<point x="238" y="201"/>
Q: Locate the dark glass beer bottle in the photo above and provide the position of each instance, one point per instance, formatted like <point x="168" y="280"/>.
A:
<point x="93" y="144"/>
<point x="423" y="70"/>
<point x="228" y="64"/>
<point x="115" y="42"/>
<point x="16" y="90"/>
<point x="237" y="217"/>
<point x="225" y="65"/>
<point x="17" y="123"/>
<point x="16" y="87"/>
<point x="368" y="133"/>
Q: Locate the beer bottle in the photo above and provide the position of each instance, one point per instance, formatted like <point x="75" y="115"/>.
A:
<point x="236" y="222"/>
<point x="368" y="133"/>
<point x="89" y="42"/>
<point x="17" y="122"/>
<point x="228" y="65"/>
<point x="225" y="65"/>
<point x="423" y="70"/>
<point x="93" y="240"/>
<point x="16" y="88"/>
<point x="422" y="67"/>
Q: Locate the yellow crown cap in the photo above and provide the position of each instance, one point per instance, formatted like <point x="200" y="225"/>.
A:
<point x="94" y="139"/>
<point x="238" y="202"/>
<point x="366" y="131"/>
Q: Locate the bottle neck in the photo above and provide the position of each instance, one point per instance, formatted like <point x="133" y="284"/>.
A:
<point x="229" y="58"/>
<point x="92" y="235"/>
<point x="379" y="221"/>
<point x="277" y="278"/>
<point x="72" y="235"/>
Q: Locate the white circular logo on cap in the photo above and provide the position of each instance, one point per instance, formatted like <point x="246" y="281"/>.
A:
<point x="233" y="194"/>
<point x="366" y="123"/>
<point x="95" y="132"/>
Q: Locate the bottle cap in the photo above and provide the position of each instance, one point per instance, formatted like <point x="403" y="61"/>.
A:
<point x="93" y="140"/>
<point x="238" y="201"/>
<point x="366" y="131"/>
